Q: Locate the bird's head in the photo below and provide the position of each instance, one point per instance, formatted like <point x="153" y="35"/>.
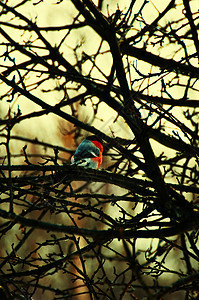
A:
<point x="97" y="141"/>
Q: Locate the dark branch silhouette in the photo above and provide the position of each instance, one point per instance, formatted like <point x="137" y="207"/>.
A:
<point x="132" y="80"/>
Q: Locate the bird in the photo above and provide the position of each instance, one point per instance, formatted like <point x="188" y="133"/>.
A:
<point x="89" y="153"/>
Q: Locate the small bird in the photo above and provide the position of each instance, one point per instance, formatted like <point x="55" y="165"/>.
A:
<point x="89" y="153"/>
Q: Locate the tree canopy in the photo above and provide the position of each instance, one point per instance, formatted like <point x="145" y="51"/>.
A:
<point x="126" y="71"/>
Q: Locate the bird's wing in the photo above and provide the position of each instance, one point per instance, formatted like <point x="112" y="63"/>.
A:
<point x="86" y="150"/>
